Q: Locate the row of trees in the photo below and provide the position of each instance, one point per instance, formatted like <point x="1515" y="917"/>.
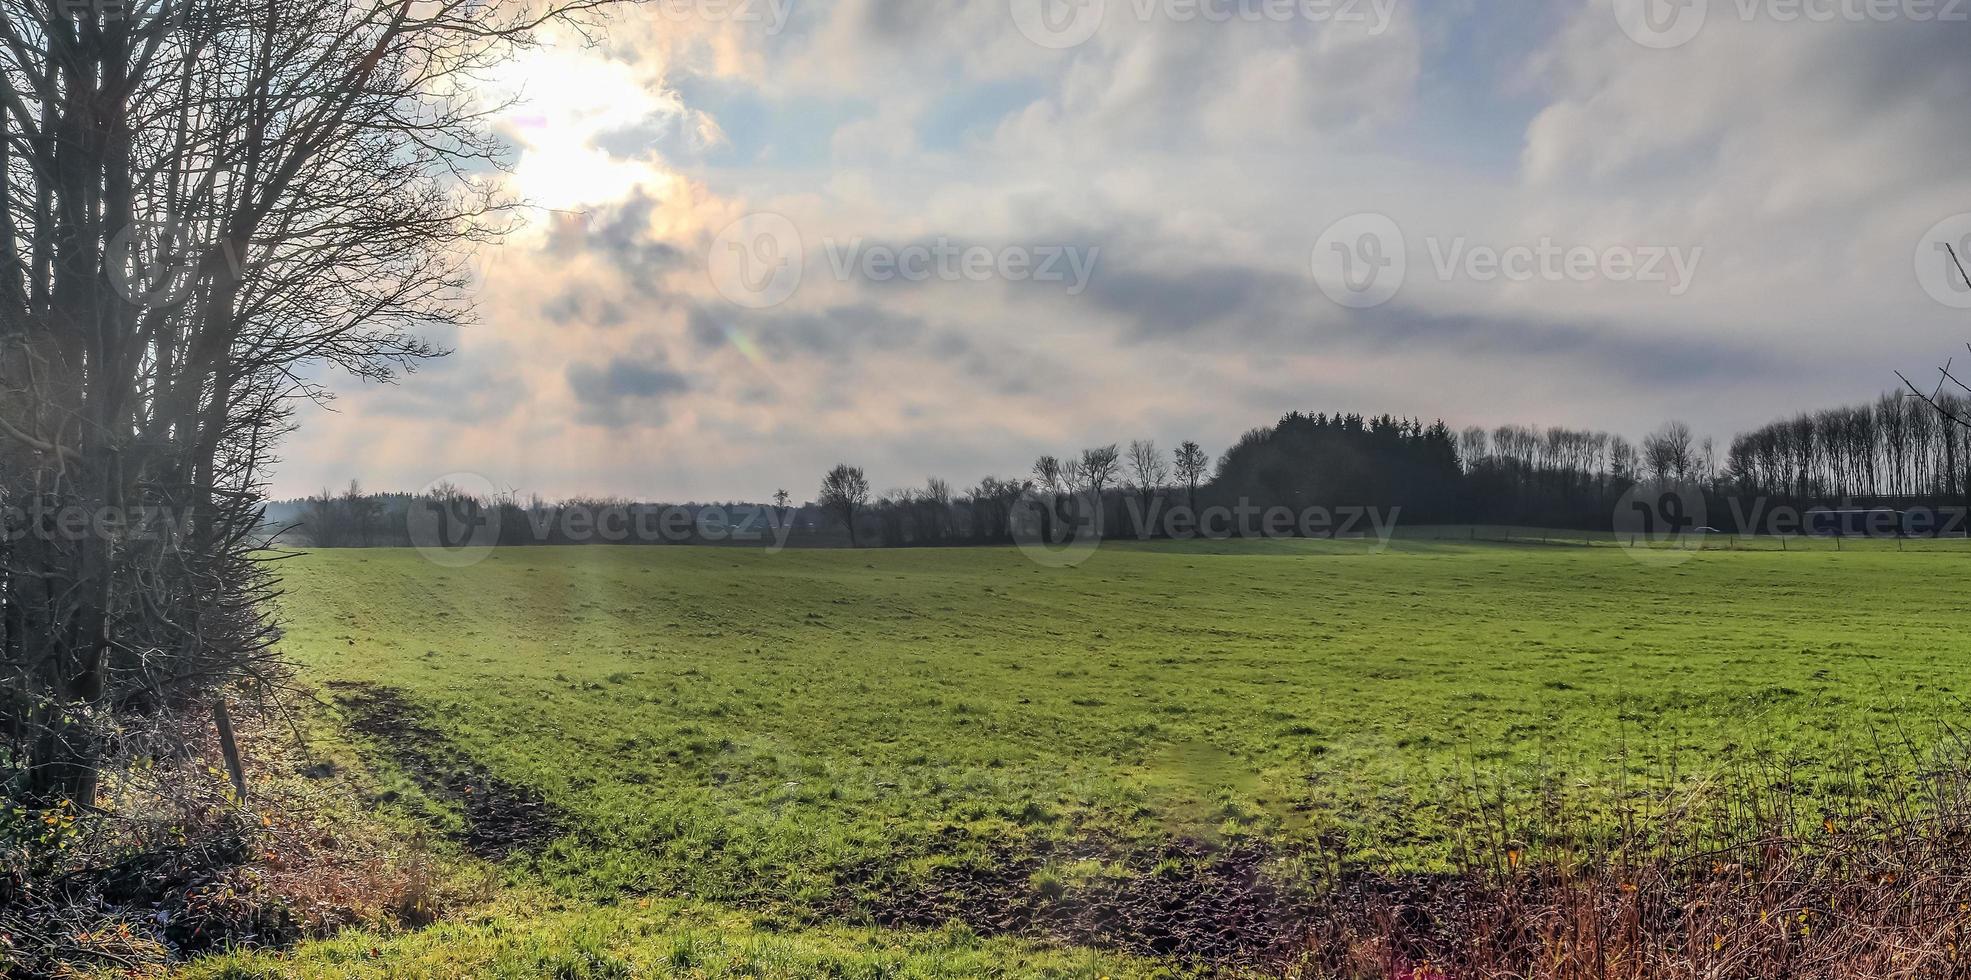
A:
<point x="1423" y="471"/>
<point x="1556" y="477"/>
<point x="1570" y="477"/>
<point x="1898" y="446"/>
<point x="448" y="517"/>
<point x="1060" y="488"/>
<point x="1561" y="455"/>
<point x="1513" y="474"/>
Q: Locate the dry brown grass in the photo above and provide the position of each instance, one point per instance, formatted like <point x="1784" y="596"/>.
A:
<point x="333" y="861"/>
<point x="1736" y="877"/>
<point x="172" y="864"/>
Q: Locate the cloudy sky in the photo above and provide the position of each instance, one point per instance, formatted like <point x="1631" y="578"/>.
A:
<point x="939" y="237"/>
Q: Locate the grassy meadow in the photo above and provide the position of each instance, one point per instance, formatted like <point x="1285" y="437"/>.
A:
<point x="803" y="735"/>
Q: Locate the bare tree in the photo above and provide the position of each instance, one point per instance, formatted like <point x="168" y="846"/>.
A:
<point x="782" y="515"/>
<point x="1946" y="399"/>
<point x="1055" y="481"/>
<point x="1668" y="452"/>
<point x="1191" y="464"/>
<point x="936" y="500"/>
<point x="938" y="491"/>
<point x="844" y="492"/>
<point x="992" y="506"/>
<point x="323" y="521"/>
<point x="1091" y="475"/>
<point x="1622" y="461"/>
<point x="1148" y="473"/>
<point x="1472" y="446"/>
<point x="1098" y="468"/>
<point x="1074" y="475"/>
<point x="360" y="510"/>
<point x="1048" y="474"/>
<point x="204" y="198"/>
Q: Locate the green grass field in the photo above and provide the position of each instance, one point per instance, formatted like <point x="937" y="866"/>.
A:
<point x="759" y="731"/>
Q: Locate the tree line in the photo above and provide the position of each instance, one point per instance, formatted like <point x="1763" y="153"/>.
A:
<point x="1895" y="448"/>
<point x="1425" y="472"/>
<point x="356" y="518"/>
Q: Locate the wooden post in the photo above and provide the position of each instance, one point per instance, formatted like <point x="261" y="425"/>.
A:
<point x="229" y="747"/>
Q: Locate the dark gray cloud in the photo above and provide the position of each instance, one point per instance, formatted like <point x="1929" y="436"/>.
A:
<point x="580" y="305"/>
<point x="902" y="20"/>
<point x="1184" y="301"/>
<point x="669" y="139"/>
<point x="836" y="335"/>
<point x="457" y="392"/>
<point x="843" y="337"/>
<point x="706" y="327"/>
<point x="1600" y="350"/>
<point x="621" y="236"/>
<point x="1235" y="306"/>
<point x="624" y="391"/>
<point x="839" y="333"/>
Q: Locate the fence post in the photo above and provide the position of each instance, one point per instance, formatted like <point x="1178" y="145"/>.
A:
<point x="229" y="747"/>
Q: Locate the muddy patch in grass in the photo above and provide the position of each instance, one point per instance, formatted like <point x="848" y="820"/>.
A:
<point x="501" y="818"/>
<point x="1243" y="904"/>
<point x="1185" y="900"/>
